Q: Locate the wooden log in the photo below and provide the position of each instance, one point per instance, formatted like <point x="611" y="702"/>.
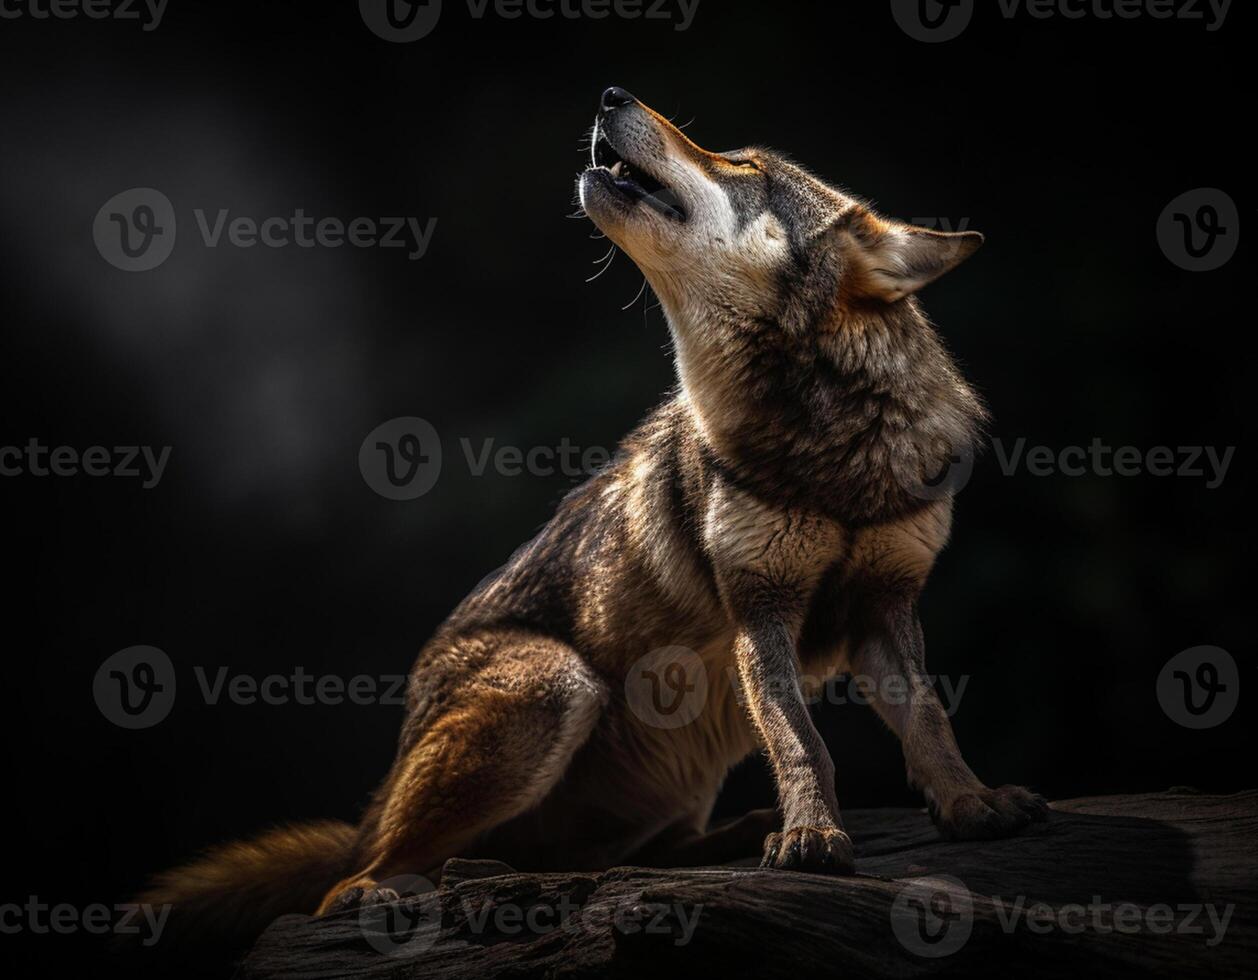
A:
<point x="1159" y="884"/>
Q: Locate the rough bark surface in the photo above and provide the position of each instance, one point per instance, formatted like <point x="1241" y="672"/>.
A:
<point x="1109" y="886"/>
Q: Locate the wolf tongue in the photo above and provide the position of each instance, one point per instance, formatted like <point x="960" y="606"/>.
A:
<point x="630" y="188"/>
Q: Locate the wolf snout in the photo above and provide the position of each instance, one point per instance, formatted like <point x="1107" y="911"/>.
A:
<point x="614" y="98"/>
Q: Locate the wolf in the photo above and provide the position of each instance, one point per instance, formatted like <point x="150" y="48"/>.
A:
<point x="768" y="527"/>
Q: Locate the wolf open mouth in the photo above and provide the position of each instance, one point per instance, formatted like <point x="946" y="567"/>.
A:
<point x="632" y="182"/>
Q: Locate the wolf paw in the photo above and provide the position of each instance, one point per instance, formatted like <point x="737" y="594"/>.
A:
<point x="989" y="813"/>
<point x="358" y="896"/>
<point x="821" y="850"/>
<point x="364" y="891"/>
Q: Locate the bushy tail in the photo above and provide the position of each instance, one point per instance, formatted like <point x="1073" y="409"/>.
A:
<point x="221" y="902"/>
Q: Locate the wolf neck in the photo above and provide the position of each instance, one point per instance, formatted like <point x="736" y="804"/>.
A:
<point x="830" y="419"/>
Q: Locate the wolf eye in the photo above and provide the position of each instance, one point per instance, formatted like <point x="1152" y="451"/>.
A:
<point x="746" y="163"/>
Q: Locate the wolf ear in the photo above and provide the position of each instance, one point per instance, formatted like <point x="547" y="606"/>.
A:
<point x="893" y="260"/>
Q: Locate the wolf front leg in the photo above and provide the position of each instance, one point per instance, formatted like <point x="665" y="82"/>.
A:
<point x="812" y="836"/>
<point x="891" y="657"/>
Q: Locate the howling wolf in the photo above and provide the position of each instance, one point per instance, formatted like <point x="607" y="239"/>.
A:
<point x="768" y="527"/>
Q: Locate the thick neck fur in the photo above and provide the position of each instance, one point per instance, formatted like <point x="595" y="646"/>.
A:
<point x="840" y="409"/>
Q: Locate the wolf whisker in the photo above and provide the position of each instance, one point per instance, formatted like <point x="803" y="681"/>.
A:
<point x="611" y="257"/>
<point x="636" y="297"/>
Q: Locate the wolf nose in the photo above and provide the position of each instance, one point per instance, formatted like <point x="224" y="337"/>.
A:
<point x="615" y="97"/>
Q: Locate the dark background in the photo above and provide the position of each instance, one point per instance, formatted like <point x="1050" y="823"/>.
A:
<point x="263" y="549"/>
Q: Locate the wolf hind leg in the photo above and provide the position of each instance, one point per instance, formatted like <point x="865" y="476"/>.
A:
<point x="497" y="747"/>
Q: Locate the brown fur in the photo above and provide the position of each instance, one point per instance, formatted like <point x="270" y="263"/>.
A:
<point x="767" y="518"/>
<point x="222" y="900"/>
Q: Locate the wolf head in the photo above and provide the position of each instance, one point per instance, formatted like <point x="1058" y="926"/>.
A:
<point x="711" y="227"/>
<point x="789" y="301"/>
